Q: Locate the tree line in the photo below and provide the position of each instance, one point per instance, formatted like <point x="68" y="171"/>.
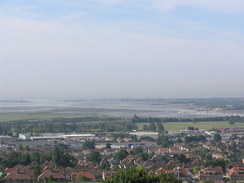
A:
<point x="38" y="127"/>
<point x="58" y="157"/>
<point x="137" y="119"/>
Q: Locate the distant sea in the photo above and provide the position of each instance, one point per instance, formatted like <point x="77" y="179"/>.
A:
<point x="118" y="108"/>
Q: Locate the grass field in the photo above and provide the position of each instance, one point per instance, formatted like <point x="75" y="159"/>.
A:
<point x="176" y="126"/>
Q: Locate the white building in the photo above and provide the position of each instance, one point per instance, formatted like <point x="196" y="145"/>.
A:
<point x="24" y="137"/>
<point x="145" y="134"/>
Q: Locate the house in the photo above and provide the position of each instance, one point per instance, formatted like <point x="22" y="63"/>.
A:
<point x="128" y="161"/>
<point x="48" y="172"/>
<point x="181" y="173"/>
<point x="151" y="165"/>
<point x="85" y="176"/>
<point x="160" y="171"/>
<point x="86" y="151"/>
<point x="24" y="136"/>
<point x="217" y="156"/>
<point x="214" y="174"/>
<point x="9" y="170"/>
<point x="236" y="174"/>
<point x="19" y="173"/>
<point x="138" y="134"/>
<point x="108" y="174"/>
<point x="165" y="151"/>
<point x="84" y="165"/>
<point x="235" y="131"/>
<point x="17" y="176"/>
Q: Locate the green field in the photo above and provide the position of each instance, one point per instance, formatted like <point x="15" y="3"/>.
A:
<point x="176" y="126"/>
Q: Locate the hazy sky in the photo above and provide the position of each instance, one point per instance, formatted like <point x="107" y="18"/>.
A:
<point x="121" y="48"/>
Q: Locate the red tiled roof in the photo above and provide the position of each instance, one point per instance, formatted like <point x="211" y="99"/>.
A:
<point x="20" y="168"/>
<point x="160" y="170"/>
<point x="163" y="149"/>
<point x="87" y="150"/>
<point x="7" y="151"/>
<point x="17" y="175"/>
<point x="189" y="155"/>
<point x="234" y="171"/>
<point x="100" y="150"/>
<point x="183" y="172"/>
<point x="8" y="170"/>
<point x="75" y="175"/>
<point x="49" y="173"/>
<point x="213" y="172"/>
<point x="218" y="169"/>
<point x="174" y="149"/>
<point x="129" y="156"/>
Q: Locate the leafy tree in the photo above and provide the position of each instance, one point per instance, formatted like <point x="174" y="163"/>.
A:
<point x="62" y="146"/>
<point x="182" y="158"/>
<point x="133" y="137"/>
<point x="163" y="140"/>
<point x="208" y="157"/>
<point x="196" y="169"/>
<point x="144" y="156"/>
<point x="130" y="126"/>
<point x="121" y="154"/>
<point x="50" y="179"/>
<point x="231" y="122"/>
<point x="82" y="178"/>
<point x="26" y="148"/>
<point x="89" y="145"/>
<point x="191" y="128"/>
<point x="195" y="138"/>
<point x="56" y="157"/>
<point x="137" y="150"/>
<point x="203" y="153"/>
<point x="67" y="160"/>
<point x="108" y="146"/>
<point x="233" y="119"/>
<point x="10" y="133"/>
<point x="135" y="119"/>
<point x="160" y="127"/>
<point x="61" y="159"/>
<point x="217" y="137"/>
<point x="216" y="162"/>
<point x="3" y="175"/>
<point x="140" y="175"/>
<point x="94" y="157"/>
<point x="146" y="138"/>
<point x="152" y="127"/>
<point x="21" y="147"/>
<point x="37" y="170"/>
<point x="11" y="159"/>
<point x="164" y="158"/>
<point x="25" y="159"/>
<point x="145" y="127"/>
<point x="179" y="140"/>
<point x="208" y="181"/>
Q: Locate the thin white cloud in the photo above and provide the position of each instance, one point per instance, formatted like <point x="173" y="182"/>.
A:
<point x="71" y="58"/>
<point x="226" y="6"/>
<point x="105" y="2"/>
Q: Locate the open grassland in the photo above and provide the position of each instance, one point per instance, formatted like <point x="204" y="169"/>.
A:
<point x="176" y="126"/>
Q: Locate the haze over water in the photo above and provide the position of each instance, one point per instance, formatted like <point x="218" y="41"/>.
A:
<point x="116" y="108"/>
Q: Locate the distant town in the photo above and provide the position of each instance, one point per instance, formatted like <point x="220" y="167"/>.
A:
<point x="83" y="142"/>
<point x="190" y="155"/>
